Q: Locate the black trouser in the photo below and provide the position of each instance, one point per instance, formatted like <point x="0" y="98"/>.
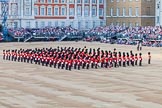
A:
<point x="132" y="62"/>
<point x="127" y="63"/>
<point x="75" y="65"/>
<point x="51" y="64"/>
<point x="59" y="65"/>
<point x="92" y="65"/>
<point x="115" y="64"/>
<point x="135" y="62"/>
<point x="66" y="67"/>
<point x="88" y="66"/>
<point x="78" y="66"/>
<point x="149" y="61"/>
<point x="70" y="67"/>
<point x="102" y="64"/>
<point x="119" y="63"/>
<point x="12" y="58"/>
<point x="96" y="65"/>
<point x="62" y="65"/>
<point x="3" y="57"/>
<point x="124" y="64"/>
<point x="106" y="64"/>
<point x="54" y="64"/>
<point x="83" y="65"/>
<point x="140" y="63"/>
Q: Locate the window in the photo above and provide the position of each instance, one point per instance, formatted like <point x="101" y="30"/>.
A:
<point x="111" y="12"/>
<point x="112" y="0"/>
<point x="100" y="11"/>
<point x="36" y="24"/>
<point x="56" y="1"/>
<point x="137" y="11"/>
<point x="49" y="23"/>
<point x="79" y="10"/>
<point x="130" y="11"/>
<point x="62" y="1"/>
<point x="35" y="11"/>
<point x="27" y="12"/>
<point x="86" y="1"/>
<point x="100" y="1"/>
<point x="56" y="23"/>
<point x="93" y="1"/>
<point x="117" y="0"/>
<point x="42" y="24"/>
<point x="49" y="11"/>
<point x="86" y="24"/>
<point x="49" y="1"/>
<point x="41" y="1"/>
<point x="71" y="11"/>
<point x="71" y="24"/>
<point x="78" y="1"/>
<point x="71" y="1"/>
<point x="56" y="11"/>
<point x="63" y="24"/>
<point x="86" y="10"/>
<point x="42" y="12"/>
<point x="63" y="11"/>
<point x="117" y="12"/>
<point x="28" y="24"/>
<point x="94" y="11"/>
<point x="124" y="11"/>
<point x="101" y="23"/>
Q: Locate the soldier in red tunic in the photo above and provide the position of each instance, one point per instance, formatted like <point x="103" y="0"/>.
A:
<point x="119" y="59"/>
<point x="128" y="59"/>
<point x="136" y="59"/>
<point x="124" y="60"/>
<point x="140" y="59"/>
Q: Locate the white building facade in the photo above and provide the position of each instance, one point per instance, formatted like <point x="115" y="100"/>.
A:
<point x="80" y="14"/>
<point x="158" y="13"/>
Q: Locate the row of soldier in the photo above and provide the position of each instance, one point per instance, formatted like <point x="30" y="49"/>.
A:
<point x="68" y="58"/>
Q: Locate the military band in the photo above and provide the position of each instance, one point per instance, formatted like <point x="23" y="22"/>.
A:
<point x="74" y="58"/>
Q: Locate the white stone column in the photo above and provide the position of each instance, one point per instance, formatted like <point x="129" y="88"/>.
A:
<point x="83" y="8"/>
<point x="75" y="9"/>
<point x="97" y="9"/>
<point x="67" y="10"/>
<point x="90" y="9"/>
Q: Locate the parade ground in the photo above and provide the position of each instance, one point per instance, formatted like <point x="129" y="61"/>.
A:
<point x="25" y="85"/>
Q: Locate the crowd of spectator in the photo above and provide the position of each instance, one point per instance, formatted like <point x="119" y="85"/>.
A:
<point x="150" y="35"/>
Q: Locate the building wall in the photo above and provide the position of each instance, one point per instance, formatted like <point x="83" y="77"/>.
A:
<point x="130" y="12"/>
<point x="41" y="13"/>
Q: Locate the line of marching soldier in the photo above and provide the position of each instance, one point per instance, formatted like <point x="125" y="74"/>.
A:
<point x="77" y="58"/>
